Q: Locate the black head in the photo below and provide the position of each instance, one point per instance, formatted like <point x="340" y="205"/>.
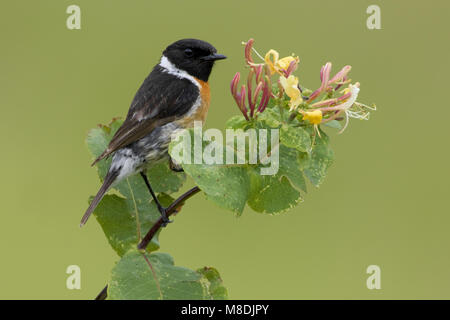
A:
<point x="194" y="56"/>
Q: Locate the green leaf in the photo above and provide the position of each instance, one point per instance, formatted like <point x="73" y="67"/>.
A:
<point x="290" y="167"/>
<point x="97" y="141"/>
<point x="164" y="179"/>
<point x="125" y="221"/>
<point x="214" y="283"/>
<point x="272" y="194"/>
<point x="232" y="186"/>
<point x="280" y="192"/>
<point x="226" y="185"/>
<point x="295" y="137"/>
<point x="237" y="122"/>
<point x="144" y="276"/>
<point x="271" y="117"/>
<point x="334" y="124"/>
<point x="316" y="165"/>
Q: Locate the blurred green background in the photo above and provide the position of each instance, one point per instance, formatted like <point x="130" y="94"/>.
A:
<point x="384" y="201"/>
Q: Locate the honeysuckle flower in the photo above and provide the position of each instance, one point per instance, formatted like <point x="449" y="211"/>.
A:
<point x="280" y="65"/>
<point x="330" y="102"/>
<point x="339" y="79"/>
<point x="271" y="58"/>
<point x="291" y="68"/>
<point x="287" y="65"/>
<point x="248" y="54"/>
<point x="348" y="99"/>
<point x="344" y="80"/>
<point x="331" y="106"/>
<point x="314" y="117"/>
<point x="248" y="51"/>
<point x="263" y="89"/>
<point x="341" y="75"/>
<point x="290" y="87"/>
<point x="266" y="94"/>
<point x="350" y="96"/>
<point x="258" y="72"/>
<point x="353" y="90"/>
<point x="324" y="78"/>
<point x="239" y="96"/>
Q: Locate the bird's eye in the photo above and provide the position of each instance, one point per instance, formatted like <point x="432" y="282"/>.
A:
<point x="188" y="53"/>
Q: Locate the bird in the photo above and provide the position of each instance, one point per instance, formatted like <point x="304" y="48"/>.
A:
<point x="174" y="95"/>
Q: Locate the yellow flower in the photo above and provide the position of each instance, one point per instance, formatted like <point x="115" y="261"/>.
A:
<point x="315" y="117"/>
<point x="271" y="58"/>
<point x="285" y="62"/>
<point x="277" y="65"/>
<point x="290" y="86"/>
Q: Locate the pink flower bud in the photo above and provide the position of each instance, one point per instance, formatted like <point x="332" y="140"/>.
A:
<point x="265" y="95"/>
<point x="248" y="51"/>
<point x="292" y="67"/>
<point x="258" y="72"/>
<point x="233" y="86"/>
<point x="324" y="77"/>
<point x="341" y="74"/>
<point x="249" y="87"/>
<point x="242" y="100"/>
<point x="255" y="97"/>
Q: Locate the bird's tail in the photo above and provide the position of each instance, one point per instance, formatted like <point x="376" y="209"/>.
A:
<point x="100" y="157"/>
<point x="109" y="179"/>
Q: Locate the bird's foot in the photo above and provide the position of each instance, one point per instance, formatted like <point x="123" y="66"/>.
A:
<point x="165" y="219"/>
<point x="174" y="166"/>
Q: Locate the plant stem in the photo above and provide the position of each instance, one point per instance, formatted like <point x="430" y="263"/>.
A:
<point x="154" y="229"/>
<point x="103" y="294"/>
<point x="292" y="116"/>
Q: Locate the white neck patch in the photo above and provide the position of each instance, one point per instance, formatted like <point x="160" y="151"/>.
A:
<point x="170" y="68"/>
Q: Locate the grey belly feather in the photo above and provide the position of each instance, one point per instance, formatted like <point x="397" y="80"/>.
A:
<point x="143" y="153"/>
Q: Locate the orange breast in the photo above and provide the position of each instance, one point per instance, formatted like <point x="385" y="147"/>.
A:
<point x="206" y="97"/>
<point x="200" y="113"/>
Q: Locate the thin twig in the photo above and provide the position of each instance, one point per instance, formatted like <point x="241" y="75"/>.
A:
<point x="154" y="229"/>
<point x="169" y="211"/>
<point x="103" y="294"/>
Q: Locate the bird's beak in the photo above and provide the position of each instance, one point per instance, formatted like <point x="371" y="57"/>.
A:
<point x="214" y="57"/>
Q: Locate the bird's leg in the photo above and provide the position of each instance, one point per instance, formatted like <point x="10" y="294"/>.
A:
<point x="161" y="209"/>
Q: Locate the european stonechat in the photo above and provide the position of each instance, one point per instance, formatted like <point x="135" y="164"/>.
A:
<point x="173" y="96"/>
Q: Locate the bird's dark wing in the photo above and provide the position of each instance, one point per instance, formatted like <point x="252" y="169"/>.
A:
<point x="161" y="99"/>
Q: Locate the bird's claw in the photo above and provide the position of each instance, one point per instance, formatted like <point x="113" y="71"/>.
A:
<point x="165" y="219"/>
